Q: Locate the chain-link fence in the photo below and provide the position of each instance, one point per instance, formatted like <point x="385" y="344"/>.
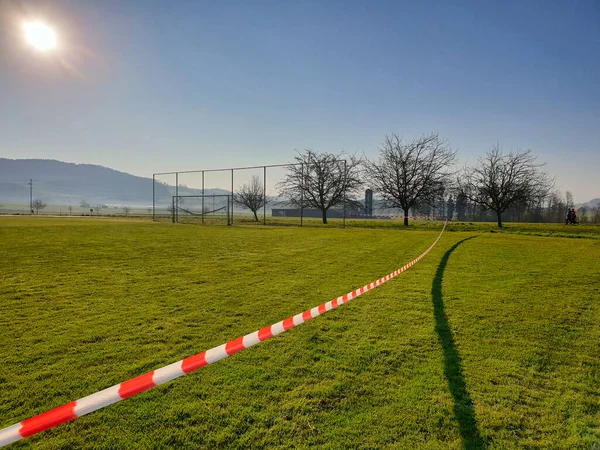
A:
<point x="254" y="195"/>
<point x="259" y="194"/>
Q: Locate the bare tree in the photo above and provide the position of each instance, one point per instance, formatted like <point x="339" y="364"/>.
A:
<point x="149" y="209"/>
<point x="70" y="208"/>
<point x="251" y="195"/>
<point x="38" y="205"/>
<point x="321" y="180"/>
<point x="450" y="207"/>
<point x="413" y="173"/>
<point x="582" y="211"/>
<point x="500" y="180"/>
<point x="597" y="216"/>
<point x="556" y="207"/>
<point x="569" y="199"/>
<point x="127" y="210"/>
<point x="461" y="206"/>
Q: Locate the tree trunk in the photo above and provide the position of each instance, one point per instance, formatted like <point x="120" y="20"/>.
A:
<point x="255" y="216"/>
<point x="499" y="214"/>
<point x="406" y="216"/>
<point x="324" y="216"/>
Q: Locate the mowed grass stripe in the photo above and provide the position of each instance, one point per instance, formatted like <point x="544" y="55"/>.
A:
<point x="97" y="304"/>
<point x="531" y="330"/>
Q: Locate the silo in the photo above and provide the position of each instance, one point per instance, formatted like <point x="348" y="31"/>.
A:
<point x="369" y="202"/>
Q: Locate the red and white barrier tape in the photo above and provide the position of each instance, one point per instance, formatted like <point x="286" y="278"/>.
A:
<point x="157" y="377"/>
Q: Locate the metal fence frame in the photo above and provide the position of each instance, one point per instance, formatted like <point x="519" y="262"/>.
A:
<point x="232" y="192"/>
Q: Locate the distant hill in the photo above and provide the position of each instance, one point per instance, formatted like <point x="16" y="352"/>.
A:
<point x="57" y="182"/>
<point x="591" y="204"/>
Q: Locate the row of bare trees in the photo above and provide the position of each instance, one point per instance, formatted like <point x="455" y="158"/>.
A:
<point x="315" y="180"/>
<point x="409" y="175"/>
<point x="550" y="209"/>
<point x="413" y="174"/>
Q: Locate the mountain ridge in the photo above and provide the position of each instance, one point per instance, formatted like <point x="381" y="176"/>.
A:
<point x="69" y="183"/>
<point x="593" y="203"/>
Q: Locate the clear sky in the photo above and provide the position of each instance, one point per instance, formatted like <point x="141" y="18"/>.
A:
<point x="147" y="86"/>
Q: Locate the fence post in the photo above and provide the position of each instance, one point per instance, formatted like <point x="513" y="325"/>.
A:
<point x="228" y="214"/>
<point x="176" y="216"/>
<point x="173" y="209"/>
<point x="203" y="197"/>
<point x="153" y="197"/>
<point x="301" y="193"/>
<point x="345" y="187"/>
<point x="231" y="197"/>
<point x="265" y="195"/>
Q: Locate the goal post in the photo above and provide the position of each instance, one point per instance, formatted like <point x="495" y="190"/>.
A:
<point x="202" y="209"/>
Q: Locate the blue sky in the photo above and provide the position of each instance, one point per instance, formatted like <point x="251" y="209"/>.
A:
<point x="149" y="86"/>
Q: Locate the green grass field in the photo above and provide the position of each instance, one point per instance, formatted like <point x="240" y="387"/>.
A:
<point x="491" y="341"/>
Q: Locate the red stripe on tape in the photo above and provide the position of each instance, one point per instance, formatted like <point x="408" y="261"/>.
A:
<point x="136" y="385"/>
<point x="306" y="315"/>
<point x="265" y="333"/>
<point x="194" y="362"/>
<point x="48" y="419"/>
<point x="288" y="323"/>
<point x="322" y="308"/>
<point x="235" y="346"/>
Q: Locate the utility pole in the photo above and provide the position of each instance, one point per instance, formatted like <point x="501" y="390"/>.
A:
<point x="30" y="196"/>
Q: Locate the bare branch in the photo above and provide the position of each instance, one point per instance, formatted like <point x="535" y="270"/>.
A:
<point x="499" y="181"/>
<point x="321" y="180"/>
<point x="251" y="196"/>
<point x="408" y="174"/>
<point x="38" y="205"/>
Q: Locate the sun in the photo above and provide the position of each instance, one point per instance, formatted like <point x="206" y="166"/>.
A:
<point x="40" y="36"/>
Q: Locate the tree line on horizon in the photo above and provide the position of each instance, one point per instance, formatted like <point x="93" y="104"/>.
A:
<point x="420" y="176"/>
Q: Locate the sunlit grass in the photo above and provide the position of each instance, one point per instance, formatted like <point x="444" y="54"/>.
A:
<point x="487" y="341"/>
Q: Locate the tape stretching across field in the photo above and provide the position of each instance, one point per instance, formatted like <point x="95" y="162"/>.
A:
<point x="157" y="377"/>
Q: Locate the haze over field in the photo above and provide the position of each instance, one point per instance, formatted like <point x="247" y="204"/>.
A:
<point x="142" y="87"/>
<point x="59" y="182"/>
<point x="67" y="183"/>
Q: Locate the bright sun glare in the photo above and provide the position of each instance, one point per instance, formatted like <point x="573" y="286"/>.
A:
<point x="40" y="36"/>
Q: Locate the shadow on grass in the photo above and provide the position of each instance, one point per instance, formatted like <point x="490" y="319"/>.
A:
<point x="463" y="405"/>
